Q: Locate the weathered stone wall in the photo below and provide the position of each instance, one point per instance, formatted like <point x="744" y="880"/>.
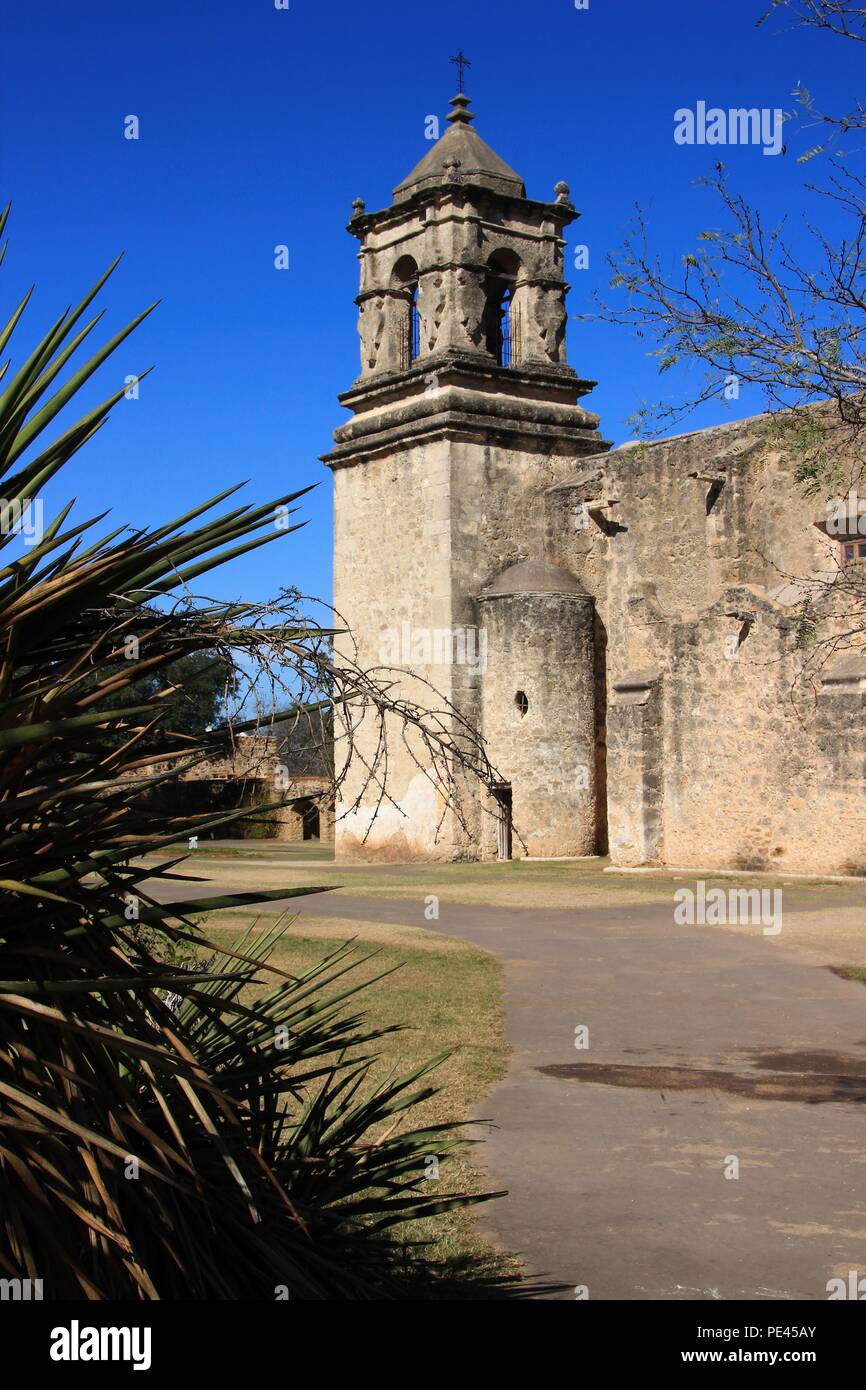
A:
<point x="540" y="647"/>
<point x="716" y="744"/>
<point x="727" y="744"/>
<point x="392" y="583"/>
<point x="458" y="511"/>
<point x="654" y="633"/>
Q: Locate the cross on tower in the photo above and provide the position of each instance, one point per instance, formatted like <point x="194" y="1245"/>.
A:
<point x="460" y="63"/>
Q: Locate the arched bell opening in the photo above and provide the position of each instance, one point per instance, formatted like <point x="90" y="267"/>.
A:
<point x="404" y="278"/>
<point x="502" y="308"/>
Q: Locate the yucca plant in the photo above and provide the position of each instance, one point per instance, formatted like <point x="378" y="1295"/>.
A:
<point x="164" y="1133"/>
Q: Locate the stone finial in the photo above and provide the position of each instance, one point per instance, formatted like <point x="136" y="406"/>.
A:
<point x="562" y="191"/>
<point x="452" y="169"/>
<point x="358" y="206"/>
<point x="460" y="115"/>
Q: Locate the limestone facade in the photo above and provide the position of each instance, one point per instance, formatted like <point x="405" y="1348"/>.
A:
<point x="619" y="624"/>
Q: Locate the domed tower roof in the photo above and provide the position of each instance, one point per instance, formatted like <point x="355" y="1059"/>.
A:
<point x="461" y="151"/>
<point x="534" y="577"/>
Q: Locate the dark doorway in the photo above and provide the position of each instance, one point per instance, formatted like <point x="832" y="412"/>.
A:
<point x="502" y="795"/>
<point x="310" y="820"/>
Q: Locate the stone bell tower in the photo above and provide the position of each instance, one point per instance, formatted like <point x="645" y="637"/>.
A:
<point x="464" y="414"/>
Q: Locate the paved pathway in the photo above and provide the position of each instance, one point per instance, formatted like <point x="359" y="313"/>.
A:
<point x="705" y="1045"/>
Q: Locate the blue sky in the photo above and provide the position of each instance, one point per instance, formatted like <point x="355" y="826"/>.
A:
<point x="259" y="126"/>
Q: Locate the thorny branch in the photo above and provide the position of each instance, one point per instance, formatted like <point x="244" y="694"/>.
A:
<point x="290" y="681"/>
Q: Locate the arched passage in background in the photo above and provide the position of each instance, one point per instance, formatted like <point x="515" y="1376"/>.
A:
<point x="310" y="817"/>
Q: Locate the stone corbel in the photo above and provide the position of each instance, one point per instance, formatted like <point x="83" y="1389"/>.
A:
<point x="715" y="478"/>
<point x="598" y="510"/>
<point x="709" y="475"/>
<point x="635" y="688"/>
<point x="747" y="619"/>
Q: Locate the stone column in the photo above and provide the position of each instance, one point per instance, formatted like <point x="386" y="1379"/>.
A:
<point x="383" y="326"/>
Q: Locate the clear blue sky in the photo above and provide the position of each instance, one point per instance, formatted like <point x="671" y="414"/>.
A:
<point x="259" y="126"/>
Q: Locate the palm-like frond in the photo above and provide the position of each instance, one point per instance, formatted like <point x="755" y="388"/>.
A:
<point x="149" y="1151"/>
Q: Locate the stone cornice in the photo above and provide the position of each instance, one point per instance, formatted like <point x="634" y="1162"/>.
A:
<point x="561" y="213"/>
<point x="452" y="367"/>
<point x="458" y="413"/>
<point x="478" y="267"/>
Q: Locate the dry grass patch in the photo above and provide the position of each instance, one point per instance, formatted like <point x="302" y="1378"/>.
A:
<point x="449" y="997"/>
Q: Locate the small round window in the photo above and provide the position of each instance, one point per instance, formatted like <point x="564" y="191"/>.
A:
<point x="521" y="702"/>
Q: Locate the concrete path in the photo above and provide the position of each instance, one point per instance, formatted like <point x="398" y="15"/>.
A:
<point x="710" y="1052"/>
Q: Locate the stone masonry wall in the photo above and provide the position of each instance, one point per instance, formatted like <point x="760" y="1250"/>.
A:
<point x="392" y="549"/>
<point x="727" y="744"/>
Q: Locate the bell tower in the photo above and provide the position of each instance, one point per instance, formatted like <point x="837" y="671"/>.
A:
<point x="464" y="414"/>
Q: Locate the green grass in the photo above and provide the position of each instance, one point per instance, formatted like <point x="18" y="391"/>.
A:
<point x="449" y="994"/>
<point x="518" y="883"/>
<point x="257" y="849"/>
<point x="852" y="972"/>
